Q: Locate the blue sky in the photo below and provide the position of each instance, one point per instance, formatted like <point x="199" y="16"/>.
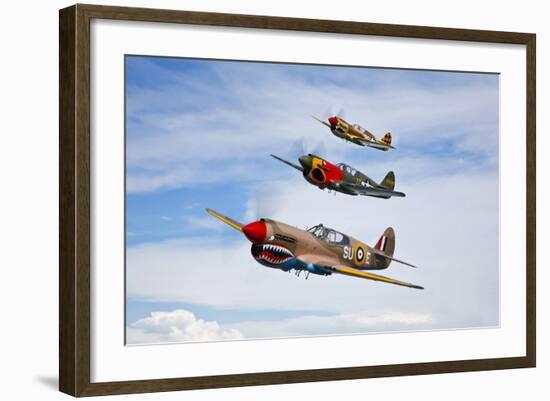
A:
<point x="199" y="133"/>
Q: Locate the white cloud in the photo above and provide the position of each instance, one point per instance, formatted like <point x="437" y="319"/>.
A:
<point x="360" y="322"/>
<point x="202" y="223"/>
<point x="177" y="326"/>
<point x="182" y="326"/>
<point x="448" y="226"/>
<point x="231" y="136"/>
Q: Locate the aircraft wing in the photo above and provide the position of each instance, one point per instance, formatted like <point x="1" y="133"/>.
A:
<point x="236" y="225"/>
<point x="373" y="191"/>
<point x="374" y="143"/>
<point x="355" y="140"/>
<point x="321" y="121"/>
<point x="299" y="168"/>
<point x="348" y="271"/>
<point x="368" y="134"/>
<point x="382" y="192"/>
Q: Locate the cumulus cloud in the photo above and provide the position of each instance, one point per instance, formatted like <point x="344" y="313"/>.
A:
<point x="360" y="322"/>
<point x="182" y="326"/>
<point x="177" y="326"/>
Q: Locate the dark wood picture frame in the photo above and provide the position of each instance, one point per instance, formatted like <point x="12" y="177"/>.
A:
<point x="74" y="200"/>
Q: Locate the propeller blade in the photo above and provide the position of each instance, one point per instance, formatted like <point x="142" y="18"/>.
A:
<point x="341" y="113"/>
<point x="298" y="148"/>
<point x="319" y="149"/>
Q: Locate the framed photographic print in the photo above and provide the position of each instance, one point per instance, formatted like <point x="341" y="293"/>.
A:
<point x="250" y="200"/>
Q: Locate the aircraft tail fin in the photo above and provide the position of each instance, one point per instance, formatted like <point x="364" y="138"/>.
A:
<point x="387" y="138"/>
<point x="389" y="181"/>
<point x="386" y="245"/>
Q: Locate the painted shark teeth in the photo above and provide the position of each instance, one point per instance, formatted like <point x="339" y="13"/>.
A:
<point x="272" y="254"/>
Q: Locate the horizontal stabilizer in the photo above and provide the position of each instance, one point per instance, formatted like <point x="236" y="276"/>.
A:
<point x="383" y="255"/>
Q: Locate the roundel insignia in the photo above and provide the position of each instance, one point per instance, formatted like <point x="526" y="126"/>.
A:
<point x="359" y="254"/>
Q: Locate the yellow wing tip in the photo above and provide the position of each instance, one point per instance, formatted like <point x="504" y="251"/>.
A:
<point x="226" y="220"/>
<point x="360" y="273"/>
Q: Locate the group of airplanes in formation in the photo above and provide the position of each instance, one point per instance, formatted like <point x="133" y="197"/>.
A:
<point x="322" y="250"/>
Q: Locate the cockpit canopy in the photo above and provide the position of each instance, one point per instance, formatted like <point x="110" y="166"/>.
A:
<point x="359" y="128"/>
<point x="346" y="168"/>
<point x="329" y="235"/>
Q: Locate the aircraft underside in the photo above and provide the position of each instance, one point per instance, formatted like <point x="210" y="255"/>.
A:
<point x="279" y="257"/>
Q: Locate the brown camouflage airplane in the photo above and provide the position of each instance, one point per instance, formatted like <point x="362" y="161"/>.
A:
<point x="342" y="178"/>
<point x="356" y="134"/>
<point x="319" y="250"/>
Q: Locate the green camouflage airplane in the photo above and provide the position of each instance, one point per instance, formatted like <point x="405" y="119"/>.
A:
<point x="343" y="178"/>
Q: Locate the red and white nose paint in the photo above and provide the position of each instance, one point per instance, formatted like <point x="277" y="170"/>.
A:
<point x="256" y="232"/>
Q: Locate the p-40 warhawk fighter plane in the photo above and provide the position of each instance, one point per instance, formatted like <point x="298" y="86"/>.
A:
<point x="319" y="250"/>
<point x="356" y="134"/>
<point x="343" y="178"/>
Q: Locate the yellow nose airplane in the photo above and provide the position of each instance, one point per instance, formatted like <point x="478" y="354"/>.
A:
<point x="319" y="250"/>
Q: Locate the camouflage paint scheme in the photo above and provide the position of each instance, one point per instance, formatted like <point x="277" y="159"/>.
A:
<point x="343" y="178"/>
<point x="319" y="250"/>
<point x="356" y="134"/>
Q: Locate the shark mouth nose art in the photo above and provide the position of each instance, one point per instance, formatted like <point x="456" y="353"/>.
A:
<point x="271" y="254"/>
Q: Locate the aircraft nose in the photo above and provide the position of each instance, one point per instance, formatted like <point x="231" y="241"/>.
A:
<point x="256" y="231"/>
<point x="305" y="161"/>
<point x="333" y="120"/>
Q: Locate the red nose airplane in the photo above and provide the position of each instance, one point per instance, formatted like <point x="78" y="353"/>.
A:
<point x="343" y="178"/>
<point x="319" y="250"/>
<point x="356" y="134"/>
